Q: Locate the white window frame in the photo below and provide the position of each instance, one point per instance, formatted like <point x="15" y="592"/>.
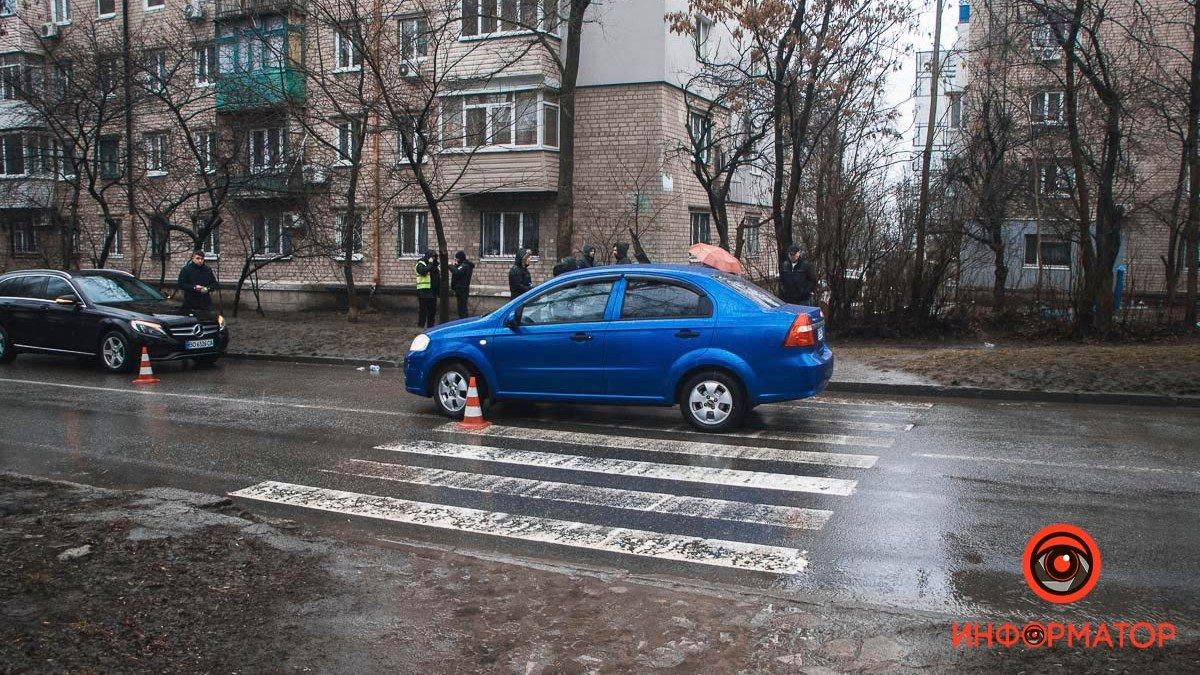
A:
<point x="156" y="71"/>
<point x="493" y="10"/>
<point x="695" y="220"/>
<point x="212" y="245"/>
<point x="60" y="12"/>
<point x="8" y="7"/>
<point x="418" y="140"/>
<point x="154" y="145"/>
<point x="348" y="132"/>
<point x="205" y="65"/>
<point x="491" y="103"/>
<point x="346" y="57"/>
<point x="117" y="250"/>
<point x="752" y="240"/>
<point x="28" y="240"/>
<point x="414" y="33"/>
<point x="1040" y="108"/>
<point x="278" y="224"/>
<point x="100" y="143"/>
<point x="1042" y="240"/>
<point x="524" y="223"/>
<point x="420" y="222"/>
<point x="106" y="15"/>
<point x="704" y="44"/>
<point x="954" y="110"/>
<point x="41" y="155"/>
<point x="206" y="146"/>
<point x="11" y="140"/>
<point x="339" y="223"/>
<point x="1064" y="173"/>
<point x="701" y="139"/>
<point x="274" y="155"/>
<point x="10" y="76"/>
<point x="154" y="8"/>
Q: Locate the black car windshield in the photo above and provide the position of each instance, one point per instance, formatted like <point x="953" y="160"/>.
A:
<point x="111" y="290"/>
<point x="755" y="294"/>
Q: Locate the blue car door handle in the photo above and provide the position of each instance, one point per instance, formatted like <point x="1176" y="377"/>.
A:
<point x="581" y="337"/>
<point x="685" y="334"/>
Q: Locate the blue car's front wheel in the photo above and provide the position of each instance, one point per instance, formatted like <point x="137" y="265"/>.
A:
<point x="450" y="386"/>
<point x="712" y="401"/>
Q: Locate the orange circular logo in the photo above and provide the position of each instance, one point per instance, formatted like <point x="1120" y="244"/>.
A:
<point x="1061" y="563"/>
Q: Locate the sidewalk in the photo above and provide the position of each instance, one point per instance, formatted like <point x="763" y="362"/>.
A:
<point x="1163" y="370"/>
<point x="170" y="581"/>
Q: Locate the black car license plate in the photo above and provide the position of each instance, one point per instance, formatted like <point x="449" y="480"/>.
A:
<point x="199" y="344"/>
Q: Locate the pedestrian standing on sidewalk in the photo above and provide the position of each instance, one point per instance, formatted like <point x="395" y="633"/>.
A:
<point x="519" y="279"/>
<point x="588" y="259"/>
<point x="460" y="281"/>
<point x="620" y="254"/>
<point x="426" y="270"/>
<point x="197" y="282"/>
<point x="796" y="278"/>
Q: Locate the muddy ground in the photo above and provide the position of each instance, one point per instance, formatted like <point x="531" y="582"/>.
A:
<point x="168" y="581"/>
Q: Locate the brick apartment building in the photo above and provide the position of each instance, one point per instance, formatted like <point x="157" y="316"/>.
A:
<point x="257" y="111"/>
<point x="1010" y="38"/>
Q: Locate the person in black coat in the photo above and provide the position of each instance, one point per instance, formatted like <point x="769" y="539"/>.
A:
<point x="460" y="281"/>
<point x="588" y="259"/>
<point x="568" y="264"/>
<point x="519" y="279"/>
<point x="796" y="278"/>
<point x="197" y="282"/>
<point x="620" y="254"/>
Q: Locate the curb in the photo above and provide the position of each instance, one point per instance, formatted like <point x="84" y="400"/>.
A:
<point x="318" y="360"/>
<point x="1096" y="398"/>
<point x="935" y="390"/>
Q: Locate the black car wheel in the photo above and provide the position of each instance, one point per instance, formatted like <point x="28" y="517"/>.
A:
<point x="450" y="388"/>
<point x="7" y="351"/>
<point x="712" y="401"/>
<point x="116" y="353"/>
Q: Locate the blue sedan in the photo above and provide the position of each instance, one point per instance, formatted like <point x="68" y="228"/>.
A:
<point x="711" y="342"/>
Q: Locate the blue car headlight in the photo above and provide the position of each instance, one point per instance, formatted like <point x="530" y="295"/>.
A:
<point x="419" y="343"/>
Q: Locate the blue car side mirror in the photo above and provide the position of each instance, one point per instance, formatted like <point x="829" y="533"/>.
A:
<point x="512" y="320"/>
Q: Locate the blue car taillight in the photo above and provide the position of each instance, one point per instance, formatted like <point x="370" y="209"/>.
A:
<point x="802" y="333"/>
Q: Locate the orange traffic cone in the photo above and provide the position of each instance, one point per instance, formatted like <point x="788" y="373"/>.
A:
<point x="473" y="415"/>
<point x="146" y="374"/>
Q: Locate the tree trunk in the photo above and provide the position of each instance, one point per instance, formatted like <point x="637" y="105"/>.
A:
<point x="917" y="308"/>
<point x="1000" y="282"/>
<point x="565" y="202"/>
<point x="1193" y="134"/>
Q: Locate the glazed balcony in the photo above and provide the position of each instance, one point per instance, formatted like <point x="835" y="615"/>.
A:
<point x="232" y="9"/>
<point x="261" y="89"/>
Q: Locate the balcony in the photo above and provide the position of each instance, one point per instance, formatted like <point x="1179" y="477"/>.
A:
<point x="262" y="89"/>
<point x="33" y="192"/>
<point x="231" y="9"/>
<point x="504" y="171"/>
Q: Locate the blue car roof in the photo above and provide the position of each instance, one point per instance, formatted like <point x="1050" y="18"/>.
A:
<point x="684" y="270"/>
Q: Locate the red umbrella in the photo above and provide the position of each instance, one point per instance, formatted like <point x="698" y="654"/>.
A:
<point x="716" y="258"/>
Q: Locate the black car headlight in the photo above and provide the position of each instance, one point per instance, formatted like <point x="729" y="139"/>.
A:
<point x="148" y="328"/>
<point x="220" y="322"/>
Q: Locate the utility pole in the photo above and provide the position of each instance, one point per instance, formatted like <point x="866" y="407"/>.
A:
<point x="935" y="68"/>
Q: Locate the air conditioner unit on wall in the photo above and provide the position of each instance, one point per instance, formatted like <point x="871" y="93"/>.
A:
<point x="49" y="31"/>
<point x="193" y="10"/>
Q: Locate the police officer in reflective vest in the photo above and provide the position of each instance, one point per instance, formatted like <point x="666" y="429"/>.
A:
<point x="426" y="269"/>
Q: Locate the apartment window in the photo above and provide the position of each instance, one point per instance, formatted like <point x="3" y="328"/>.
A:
<point x="66" y="159"/>
<point x="955" y="105"/>
<point x="1056" y="179"/>
<point x="348" y="57"/>
<point x="410" y="138"/>
<point x="414" y="233"/>
<point x="155" y="147"/>
<point x="503" y="234"/>
<point x="156" y="71"/>
<point x="266" y="149"/>
<point x="12" y="147"/>
<point x="8" y="7"/>
<point x="700" y="134"/>
<point x="64" y="72"/>
<point x="24" y="236"/>
<point x="349" y="224"/>
<point x="1046" y="108"/>
<point x="704" y="28"/>
<point x="60" y="11"/>
<point x="160" y="239"/>
<point x="481" y="17"/>
<point x="1045" y="39"/>
<point x="751" y="243"/>
<point x="206" y="151"/>
<point x="700" y="228"/>
<point x="41" y="151"/>
<point x="414" y="39"/>
<point x="272" y="235"/>
<point x="19" y="76"/>
<point x="108" y="157"/>
<point x="252" y="46"/>
<point x="205" y="60"/>
<point x="211" y="245"/>
<point x="117" y="248"/>
<point x="349" y="137"/>
<point x="108" y="70"/>
<point x="155" y="4"/>
<point x="106" y="7"/>
<point x="501" y="120"/>
<point x="1048" y="252"/>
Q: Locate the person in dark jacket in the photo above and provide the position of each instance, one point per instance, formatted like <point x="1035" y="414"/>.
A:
<point x="620" y="254"/>
<point x="568" y="264"/>
<point x="588" y="259"/>
<point x="460" y="281"/>
<point x="197" y="282"/>
<point x="796" y="278"/>
<point x="519" y="279"/>
<point x="427" y="269"/>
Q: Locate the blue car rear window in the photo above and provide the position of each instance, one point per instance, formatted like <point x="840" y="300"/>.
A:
<point x="756" y="294"/>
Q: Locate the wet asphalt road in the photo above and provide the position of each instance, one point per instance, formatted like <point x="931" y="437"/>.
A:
<point x="938" y="522"/>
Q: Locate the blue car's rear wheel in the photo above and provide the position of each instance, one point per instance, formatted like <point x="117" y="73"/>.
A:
<point x="712" y="401"/>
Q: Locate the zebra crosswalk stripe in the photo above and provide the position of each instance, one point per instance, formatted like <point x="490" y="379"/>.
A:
<point x="788" y="517"/>
<point x="620" y="467"/>
<point x="659" y="445"/>
<point x="669" y="547"/>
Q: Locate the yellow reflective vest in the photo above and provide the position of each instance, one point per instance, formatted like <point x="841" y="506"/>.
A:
<point x="424" y="282"/>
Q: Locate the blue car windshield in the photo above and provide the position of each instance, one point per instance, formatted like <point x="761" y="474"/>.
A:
<point x="106" y="290"/>
<point x="756" y="294"/>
